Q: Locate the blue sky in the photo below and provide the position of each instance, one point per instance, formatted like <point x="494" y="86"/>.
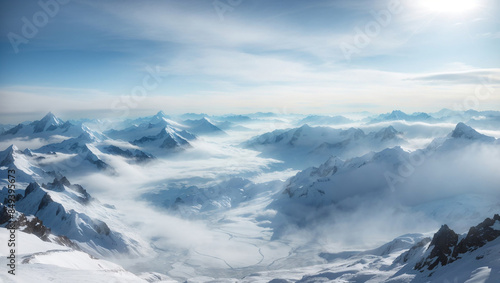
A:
<point x="135" y="57"/>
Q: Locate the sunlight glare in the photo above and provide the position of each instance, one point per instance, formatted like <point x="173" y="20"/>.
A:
<point x="450" y="6"/>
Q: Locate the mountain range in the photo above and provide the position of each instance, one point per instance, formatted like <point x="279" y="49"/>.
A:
<point x="261" y="197"/>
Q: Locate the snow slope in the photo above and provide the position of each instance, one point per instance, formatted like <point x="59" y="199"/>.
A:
<point x="39" y="261"/>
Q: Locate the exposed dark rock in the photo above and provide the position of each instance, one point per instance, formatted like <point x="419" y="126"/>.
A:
<point x="33" y="225"/>
<point x="31" y="187"/>
<point x="4" y="215"/>
<point x="478" y="236"/>
<point x="442" y="245"/>
<point x="137" y="155"/>
<point x="169" y="142"/>
<point x="46" y="199"/>
<point x="101" y="227"/>
<point x="446" y="248"/>
<point x="14" y="130"/>
<point x="58" y="185"/>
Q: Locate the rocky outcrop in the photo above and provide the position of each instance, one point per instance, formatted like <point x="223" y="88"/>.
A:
<point x="446" y="248"/>
<point x="478" y="236"/>
<point x="33" y="225"/>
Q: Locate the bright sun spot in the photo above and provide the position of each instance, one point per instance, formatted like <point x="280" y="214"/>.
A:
<point x="450" y="6"/>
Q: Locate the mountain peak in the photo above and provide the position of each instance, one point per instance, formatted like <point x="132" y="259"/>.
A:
<point x="305" y="126"/>
<point x="50" y="117"/>
<point x="397" y="112"/>
<point x="389" y="129"/>
<point x="161" y="114"/>
<point x="205" y="120"/>
<point x="466" y="132"/>
<point x="11" y="148"/>
<point x="7" y="156"/>
<point x="387" y="133"/>
<point x="47" y="123"/>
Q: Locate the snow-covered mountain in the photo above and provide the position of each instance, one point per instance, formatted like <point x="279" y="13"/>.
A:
<point x="86" y="152"/>
<point x="69" y="210"/>
<point x="202" y="126"/>
<point x="46" y="127"/>
<point x="400" y="115"/>
<point x="392" y="172"/>
<point x="5" y="127"/>
<point x="152" y="126"/>
<point x="413" y="258"/>
<point x="80" y="151"/>
<point x="462" y="136"/>
<point x="158" y="135"/>
<point x="358" y="143"/>
<point x="332" y="221"/>
<point x="471" y="257"/>
<point x="305" y="146"/>
<point x="22" y="162"/>
<point x="337" y="179"/>
<point x="167" y="139"/>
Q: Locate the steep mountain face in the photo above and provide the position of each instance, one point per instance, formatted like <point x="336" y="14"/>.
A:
<point x="462" y="131"/>
<point x="167" y="139"/>
<point x="479" y="236"/>
<point x="32" y="225"/>
<point x="22" y="162"/>
<point x="48" y="123"/>
<point x="443" y="243"/>
<point x="446" y="247"/>
<point x="202" y="126"/>
<point x="68" y="210"/>
<point x="4" y="128"/>
<point x="136" y="155"/>
<point x="159" y="117"/>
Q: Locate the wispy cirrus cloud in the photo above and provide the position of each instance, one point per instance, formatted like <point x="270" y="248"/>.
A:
<point x="474" y="76"/>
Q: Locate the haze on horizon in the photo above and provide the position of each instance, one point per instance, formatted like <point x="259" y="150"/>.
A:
<point x="93" y="58"/>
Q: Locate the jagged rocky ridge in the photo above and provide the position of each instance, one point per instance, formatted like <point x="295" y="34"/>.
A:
<point x="447" y="247"/>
